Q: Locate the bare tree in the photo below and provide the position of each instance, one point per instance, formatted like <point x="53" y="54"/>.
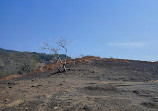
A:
<point x="63" y="44"/>
<point x="60" y="43"/>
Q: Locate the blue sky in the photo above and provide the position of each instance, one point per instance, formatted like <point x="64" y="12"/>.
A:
<point x="107" y="28"/>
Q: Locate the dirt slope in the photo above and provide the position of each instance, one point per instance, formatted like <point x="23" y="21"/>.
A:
<point x="99" y="85"/>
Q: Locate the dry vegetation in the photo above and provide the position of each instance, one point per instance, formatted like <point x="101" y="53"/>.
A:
<point x="91" y="84"/>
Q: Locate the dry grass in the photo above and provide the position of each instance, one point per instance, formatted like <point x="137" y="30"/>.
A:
<point x="154" y="81"/>
<point x="14" y="103"/>
<point x="77" y="61"/>
<point x="10" y="77"/>
<point x="124" y="61"/>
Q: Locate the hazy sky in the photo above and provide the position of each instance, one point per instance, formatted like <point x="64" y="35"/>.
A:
<point x="107" y="28"/>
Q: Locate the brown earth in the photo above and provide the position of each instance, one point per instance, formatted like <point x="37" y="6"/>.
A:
<point x="89" y="85"/>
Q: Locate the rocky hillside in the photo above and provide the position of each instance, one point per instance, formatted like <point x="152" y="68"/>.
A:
<point x="91" y="84"/>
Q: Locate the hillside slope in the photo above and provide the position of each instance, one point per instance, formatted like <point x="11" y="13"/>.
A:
<point x="14" y="62"/>
<point x="91" y="84"/>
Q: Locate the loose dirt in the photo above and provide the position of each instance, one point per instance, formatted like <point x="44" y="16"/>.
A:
<point x="98" y="86"/>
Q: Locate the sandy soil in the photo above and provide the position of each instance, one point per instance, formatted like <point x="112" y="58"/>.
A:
<point x="99" y="86"/>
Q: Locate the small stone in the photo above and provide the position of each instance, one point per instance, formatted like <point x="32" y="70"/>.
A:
<point x="55" y="108"/>
<point x="5" y="101"/>
<point x="136" y="91"/>
<point x="93" y="71"/>
<point x="60" y="84"/>
<point x="26" y="108"/>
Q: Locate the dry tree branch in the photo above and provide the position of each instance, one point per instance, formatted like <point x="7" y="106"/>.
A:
<point x="60" y="43"/>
